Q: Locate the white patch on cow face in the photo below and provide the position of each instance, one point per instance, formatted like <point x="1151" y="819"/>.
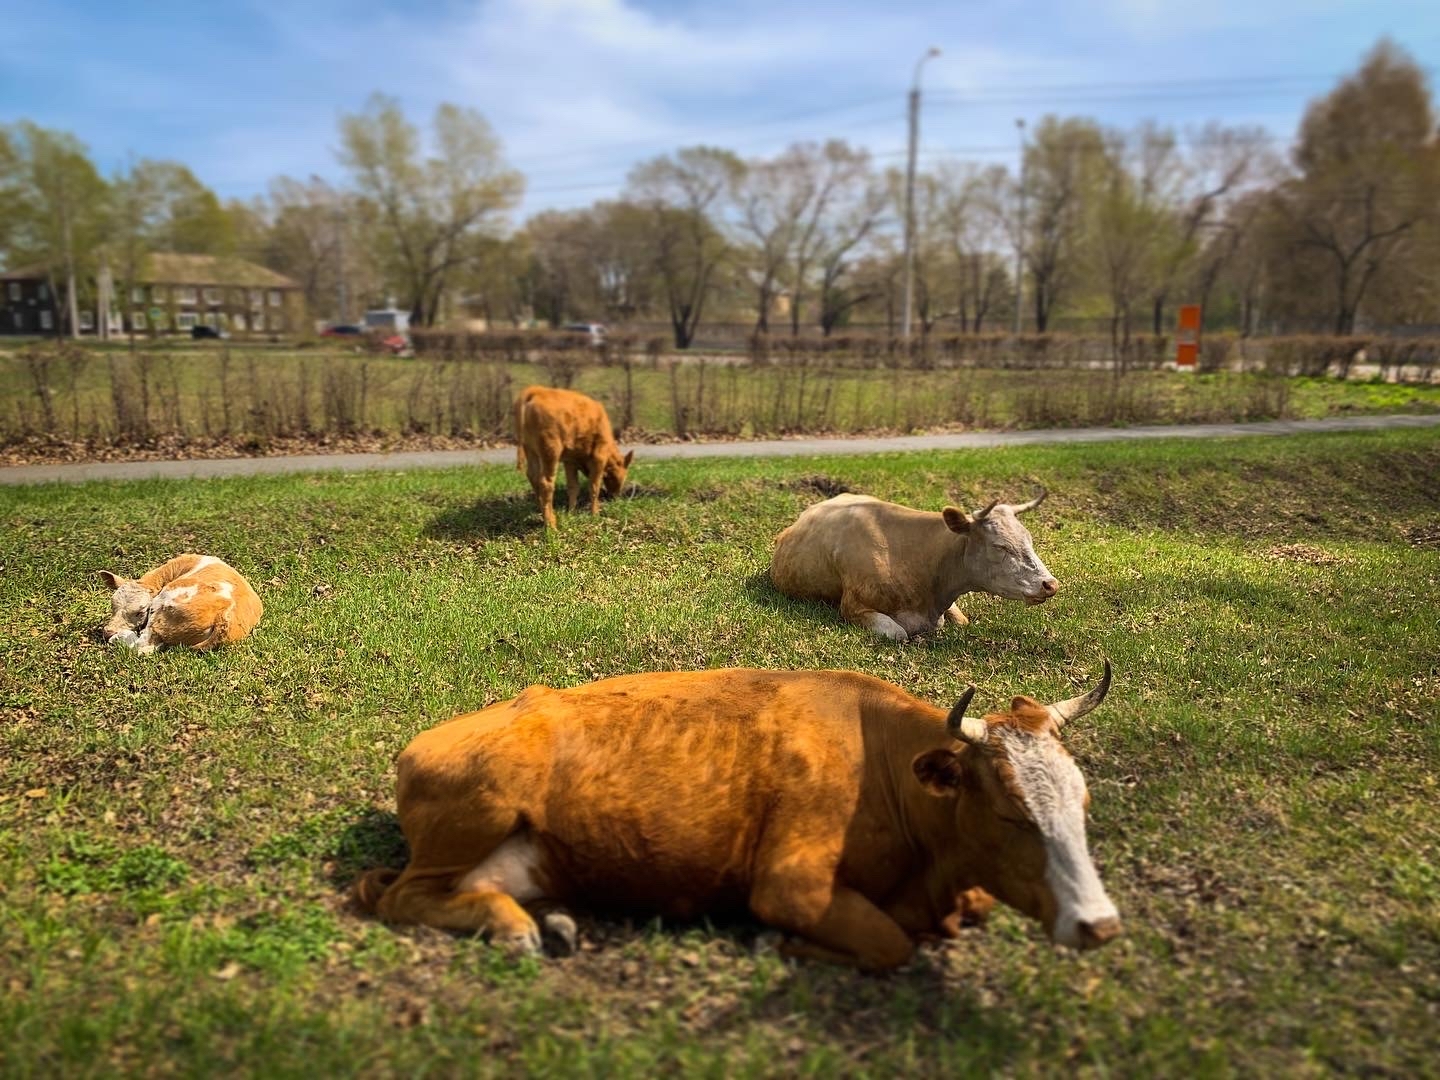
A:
<point x="1054" y="792"/>
<point x="1000" y="555"/>
<point x="509" y="869"/>
<point x="129" y="609"/>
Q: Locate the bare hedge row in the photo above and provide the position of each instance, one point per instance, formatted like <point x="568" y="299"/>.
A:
<point x="1396" y="358"/>
<point x="462" y="386"/>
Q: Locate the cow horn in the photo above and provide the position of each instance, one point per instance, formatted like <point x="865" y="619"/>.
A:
<point x="1073" y="708"/>
<point x="968" y="729"/>
<point x="1036" y="501"/>
<point x="981" y="515"/>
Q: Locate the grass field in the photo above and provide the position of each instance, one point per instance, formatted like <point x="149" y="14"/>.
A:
<point x="177" y="832"/>
<point x="249" y="397"/>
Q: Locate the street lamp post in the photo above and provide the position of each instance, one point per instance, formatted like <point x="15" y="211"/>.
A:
<point x="1020" y="239"/>
<point x="910" y="188"/>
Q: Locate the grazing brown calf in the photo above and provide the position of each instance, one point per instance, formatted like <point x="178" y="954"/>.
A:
<point x="898" y="571"/>
<point x="832" y="804"/>
<point x="555" y="426"/>
<point x="193" y="600"/>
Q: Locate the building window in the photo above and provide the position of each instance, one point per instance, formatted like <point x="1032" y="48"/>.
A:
<point x="18" y="318"/>
<point x="15" y="292"/>
<point x="274" y="297"/>
<point x="185" y="320"/>
<point x="257" y="299"/>
<point x="43" y="292"/>
<point x="87" y="320"/>
<point x="137" y="294"/>
<point x="185" y="294"/>
<point x="238" y="322"/>
<point x="157" y="294"/>
<point x="209" y="320"/>
<point x="214" y="297"/>
<point x="137" y="320"/>
<point x="45" y="322"/>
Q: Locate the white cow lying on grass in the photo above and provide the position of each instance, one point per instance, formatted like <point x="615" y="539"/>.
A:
<point x="899" y="571"/>
<point x="194" y="600"/>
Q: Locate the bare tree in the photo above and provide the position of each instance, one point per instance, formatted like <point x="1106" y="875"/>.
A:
<point x="1063" y="162"/>
<point x="1369" y="164"/>
<point x="1221" y="161"/>
<point x="840" y="182"/>
<point x="432" y="211"/>
<point x="681" y="193"/>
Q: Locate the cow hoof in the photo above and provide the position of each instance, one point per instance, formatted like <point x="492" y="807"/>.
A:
<point x="560" y="933"/>
<point x="520" y="945"/>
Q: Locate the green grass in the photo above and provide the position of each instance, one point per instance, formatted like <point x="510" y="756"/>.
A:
<point x="177" y="832"/>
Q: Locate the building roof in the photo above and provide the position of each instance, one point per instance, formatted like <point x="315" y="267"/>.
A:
<point x="167" y="268"/>
<point x="163" y="268"/>
<point x="24" y="273"/>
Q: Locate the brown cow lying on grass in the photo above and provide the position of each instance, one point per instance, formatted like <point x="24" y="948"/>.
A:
<point x="554" y="426"/>
<point x="832" y="804"/>
<point x="899" y="571"/>
<point x="193" y="600"/>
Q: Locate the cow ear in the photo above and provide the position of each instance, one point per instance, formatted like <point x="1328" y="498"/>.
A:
<point x="940" y="772"/>
<point x="956" y="519"/>
<point x="629" y="458"/>
<point x="111" y="581"/>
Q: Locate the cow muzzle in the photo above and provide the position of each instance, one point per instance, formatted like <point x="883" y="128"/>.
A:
<point x="1048" y="588"/>
<point x="1094" y="934"/>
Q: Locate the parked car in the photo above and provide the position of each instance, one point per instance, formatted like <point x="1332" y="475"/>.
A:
<point x="593" y="330"/>
<point x="201" y="332"/>
<point x="343" y="330"/>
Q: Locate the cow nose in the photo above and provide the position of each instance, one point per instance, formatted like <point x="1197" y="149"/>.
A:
<point x="1050" y="587"/>
<point x="1095" y="934"/>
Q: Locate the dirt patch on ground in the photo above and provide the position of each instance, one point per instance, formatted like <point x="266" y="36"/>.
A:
<point x="1427" y="535"/>
<point x="39" y="451"/>
<point x="819" y="484"/>
<point x="1304" y="553"/>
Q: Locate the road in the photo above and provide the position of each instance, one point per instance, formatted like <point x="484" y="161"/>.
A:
<point x="448" y="459"/>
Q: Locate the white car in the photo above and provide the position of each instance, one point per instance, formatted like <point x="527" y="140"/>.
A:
<point x="594" y="330"/>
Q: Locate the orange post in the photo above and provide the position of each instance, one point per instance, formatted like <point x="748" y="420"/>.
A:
<point x="1187" y="337"/>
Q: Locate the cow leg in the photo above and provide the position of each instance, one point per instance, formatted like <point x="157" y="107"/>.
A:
<point x="542" y="480"/>
<point x="572" y="485"/>
<point x="431" y="902"/>
<point x="485" y="899"/>
<point x="597" y="477"/>
<point x="838" y="923"/>
<point x="877" y="622"/>
<point x="955" y="615"/>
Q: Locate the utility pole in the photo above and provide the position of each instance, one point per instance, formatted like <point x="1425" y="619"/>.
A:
<point x="1020" y="239"/>
<point x="340" y="266"/>
<point x="910" y="189"/>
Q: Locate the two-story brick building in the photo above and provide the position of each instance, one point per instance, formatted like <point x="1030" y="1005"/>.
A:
<point x="170" y="294"/>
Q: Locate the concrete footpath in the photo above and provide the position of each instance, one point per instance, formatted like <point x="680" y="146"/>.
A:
<point x="449" y="459"/>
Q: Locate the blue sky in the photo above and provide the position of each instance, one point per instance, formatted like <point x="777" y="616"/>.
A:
<point x="580" y="90"/>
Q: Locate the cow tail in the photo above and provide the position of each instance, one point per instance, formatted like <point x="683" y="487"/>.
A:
<point x="519" y="438"/>
<point x="370" y="887"/>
